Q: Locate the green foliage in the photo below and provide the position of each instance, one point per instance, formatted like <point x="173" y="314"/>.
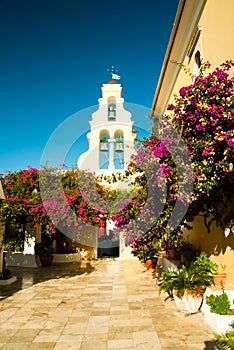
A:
<point x="14" y="245"/>
<point x="194" y="278"/>
<point x="226" y="339"/>
<point x="145" y="250"/>
<point x="203" y="263"/>
<point x="219" y="304"/>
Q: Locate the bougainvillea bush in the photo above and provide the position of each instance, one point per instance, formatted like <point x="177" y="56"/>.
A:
<point x="203" y="114"/>
<point x="52" y="198"/>
<point x="203" y="117"/>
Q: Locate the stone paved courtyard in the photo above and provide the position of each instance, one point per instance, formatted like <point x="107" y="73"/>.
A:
<point x="98" y="305"/>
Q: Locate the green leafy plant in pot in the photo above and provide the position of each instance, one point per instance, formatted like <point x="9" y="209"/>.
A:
<point x="45" y="252"/>
<point x="187" y="285"/>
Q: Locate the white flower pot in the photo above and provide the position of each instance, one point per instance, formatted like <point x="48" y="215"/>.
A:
<point x="189" y="303"/>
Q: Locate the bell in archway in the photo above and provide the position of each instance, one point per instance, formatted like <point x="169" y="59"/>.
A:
<point x="119" y="147"/>
<point x="111" y="113"/>
<point x="103" y="147"/>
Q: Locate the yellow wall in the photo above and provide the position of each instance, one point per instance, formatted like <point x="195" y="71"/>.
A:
<point x="217" y="31"/>
<point x="217" y="39"/>
<point x="218" y="247"/>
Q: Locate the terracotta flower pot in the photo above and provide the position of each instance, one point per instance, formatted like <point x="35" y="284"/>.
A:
<point x="151" y="264"/>
<point x="219" y="280"/>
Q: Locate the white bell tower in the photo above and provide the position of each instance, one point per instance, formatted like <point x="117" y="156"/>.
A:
<point x="111" y="138"/>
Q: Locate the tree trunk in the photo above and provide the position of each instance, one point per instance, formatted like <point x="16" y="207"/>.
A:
<point x="2" y="228"/>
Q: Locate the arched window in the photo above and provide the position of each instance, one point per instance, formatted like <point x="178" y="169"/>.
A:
<point x="111" y="108"/>
<point x="197" y="63"/>
<point x="198" y="59"/>
<point x="195" y="52"/>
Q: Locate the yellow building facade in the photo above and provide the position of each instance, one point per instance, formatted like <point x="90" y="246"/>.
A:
<point x="203" y="30"/>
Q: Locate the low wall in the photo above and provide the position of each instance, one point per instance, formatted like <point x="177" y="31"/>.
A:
<point x="21" y="259"/>
<point x="31" y="260"/>
<point x="66" y="258"/>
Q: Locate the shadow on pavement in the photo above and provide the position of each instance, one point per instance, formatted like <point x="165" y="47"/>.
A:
<point x="28" y="276"/>
<point x="210" y="345"/>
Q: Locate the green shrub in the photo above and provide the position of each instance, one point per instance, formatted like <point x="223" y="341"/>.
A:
<point x="203" y="263"/>
<point x="219" y="304"/>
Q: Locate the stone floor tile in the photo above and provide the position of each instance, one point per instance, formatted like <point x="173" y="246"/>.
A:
<point x="94" y="345"/>
<point x="70" y="339"/>
<point x="120" y="335"/>
<point x="96" y="330"/>
<point x="75" y="329"/>
<point x="48" y="335"/>
<point x="24" y="336"/>
<point x="42" y="346"/>
<point x="120" y="344"/>
<point x="14" y="346"/>
<point x="146" y="339"/>
<point x="60" y="346"/>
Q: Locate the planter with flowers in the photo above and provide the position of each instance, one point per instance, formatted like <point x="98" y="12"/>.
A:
<point x="147" y="253"/>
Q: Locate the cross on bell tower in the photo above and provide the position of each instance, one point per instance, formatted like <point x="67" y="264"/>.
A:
<point x="111" y="138"/>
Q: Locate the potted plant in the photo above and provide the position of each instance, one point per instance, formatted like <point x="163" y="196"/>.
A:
<point x="187" y="285"/>
<point x="146" y="252"/>
<point x="172" y="243"/>
<point x="151" y="255"/>
<point x="45" y="253"/>
<point x="217" y="310"/>
<point x="171" y="249"/>
<point x="220" y="276"/>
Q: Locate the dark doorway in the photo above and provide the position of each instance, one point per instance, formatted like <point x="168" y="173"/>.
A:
<point x="108" y="247"/>
<point x="108" y="243"/>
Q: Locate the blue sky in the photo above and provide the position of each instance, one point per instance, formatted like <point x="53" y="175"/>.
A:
<point x="54" y="60"/>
